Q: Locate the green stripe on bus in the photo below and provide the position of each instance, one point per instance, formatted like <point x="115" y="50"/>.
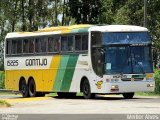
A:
<point x="67" y="79"/>
<point x="61" y="72"/>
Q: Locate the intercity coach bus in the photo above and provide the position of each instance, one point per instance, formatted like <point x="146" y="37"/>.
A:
<point x="92" y="59"/>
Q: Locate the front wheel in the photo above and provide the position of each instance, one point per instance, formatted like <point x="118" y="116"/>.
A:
<point x="128" y="95"/>
<point x="86" y="90"/>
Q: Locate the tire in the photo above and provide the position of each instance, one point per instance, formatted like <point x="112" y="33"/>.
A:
<point x="86" y="90"/>
<point x="128" y="95"/>
<point x="32" y="88"/>
<point x="24" y="89"/>
<point x="66" y="95"/>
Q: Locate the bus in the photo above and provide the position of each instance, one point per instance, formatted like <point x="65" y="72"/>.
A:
<point x="91" y="59"/>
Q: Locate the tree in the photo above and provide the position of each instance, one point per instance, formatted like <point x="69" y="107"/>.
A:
<point x="84" y="11"/>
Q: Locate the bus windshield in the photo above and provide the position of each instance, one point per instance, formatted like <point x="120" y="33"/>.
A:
<point x="126" y="38"/>
<point x="128" y="60"/>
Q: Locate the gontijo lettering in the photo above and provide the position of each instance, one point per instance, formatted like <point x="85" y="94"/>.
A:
<point x="36" y="62"/>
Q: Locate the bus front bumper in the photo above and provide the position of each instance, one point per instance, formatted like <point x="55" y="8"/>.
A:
<point x="135" y="86"/>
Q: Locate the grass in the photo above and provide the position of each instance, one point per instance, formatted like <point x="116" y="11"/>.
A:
<point x="4" y="103"/>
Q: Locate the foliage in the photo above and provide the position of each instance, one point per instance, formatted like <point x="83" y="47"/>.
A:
<point x="5" y="103"/>
<point x="2" y="80"/>
<point x="84" y="11"/>
<point x="157" y="81"/>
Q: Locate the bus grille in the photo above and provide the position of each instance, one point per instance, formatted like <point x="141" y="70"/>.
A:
<point x="132" y="79"/>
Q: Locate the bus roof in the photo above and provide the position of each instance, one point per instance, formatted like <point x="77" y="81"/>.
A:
<point x="77" y="29"/>
<point x="118" y="28"/>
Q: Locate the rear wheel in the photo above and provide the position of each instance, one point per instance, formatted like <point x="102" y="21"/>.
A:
<point x="86" y="90"/>
<point x="32" y="88"/>
<point x="128" y="95"/>
<point x="24" y="89"/>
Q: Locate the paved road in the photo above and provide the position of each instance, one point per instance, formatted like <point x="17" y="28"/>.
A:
<point x="101" y="105"/>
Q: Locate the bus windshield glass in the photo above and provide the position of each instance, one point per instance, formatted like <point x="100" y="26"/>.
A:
<point x="126" y="38"/>
<point x="128" y="60"/>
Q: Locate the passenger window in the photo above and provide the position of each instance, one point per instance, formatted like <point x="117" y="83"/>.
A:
<point x="57" y="44"/>
<point x="8" y="47"/>
<point x="70" y="43"/>
<point x="64" y="43"/>
<point x="25" y="46"/>
<point x="14" y="47"/>
<point x="19" y="46"/>
<point x="78" y="43"/>
<point x="44" y="44"/>
<point x="31" y="46"/>
<point x="67" y="43"/>
<point x="40" y="45"/>
<point x="53" y="44"/>
<point x="37" y="45"/>
<point x="84" y="42"/>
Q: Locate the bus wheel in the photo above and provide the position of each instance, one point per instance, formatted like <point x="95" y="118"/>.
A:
<point x="24" y="89"/>
<point x="128" y="95"/>
<point x="32" y="88"/>
<point x="86" y="90"/>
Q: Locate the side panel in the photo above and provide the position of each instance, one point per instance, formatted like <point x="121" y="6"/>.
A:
<point x="49" y="75"/>
<point x="60" y="73"/>
<point x="66" y="83"/>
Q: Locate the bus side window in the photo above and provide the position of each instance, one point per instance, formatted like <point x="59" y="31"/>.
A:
<point x="70" y="43"/>
<point x="8" y="47"/>
<point x="37" y="45"/>
<point x="19" y="46"/>
<point x="51" y="43"/>
<point x="64" y="43"/>
<point x="43" y="44"/>
<point x="31" y="46"/>
<point x="84" y="42"/>
<point x="14" y="47"/>
<point x="40" y="45"/>
<point x="57" y="44"/>
<point x="25" y="46"/>
<point x="78" y="43"/>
